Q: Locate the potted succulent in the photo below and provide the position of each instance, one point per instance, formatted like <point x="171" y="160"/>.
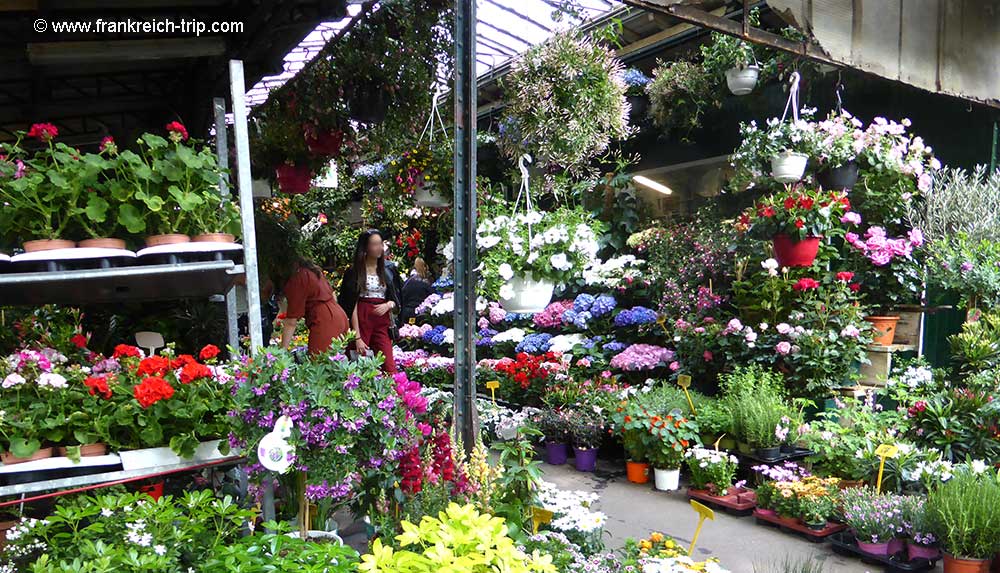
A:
<point x="795" y="220"/>
<point x="672" y="435"/>
<point x="554" y="426"/>
<point x="525" y="255"/>
<point x="587" y="430"/>
<point x="962" y="514"/>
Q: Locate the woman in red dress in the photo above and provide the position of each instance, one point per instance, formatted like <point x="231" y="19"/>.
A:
<point x="310" y="296"/>
<point x="369" y="297"/>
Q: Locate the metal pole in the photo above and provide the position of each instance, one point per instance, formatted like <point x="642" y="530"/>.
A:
<point x="222" y="151"/>
<point x="465" y="222"/>
<point x="244" y="184"/>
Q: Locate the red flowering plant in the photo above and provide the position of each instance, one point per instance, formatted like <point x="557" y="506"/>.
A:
<point x="410" y="243"/>
<point x="798" y="212"/>
<point x="525" y="377"/>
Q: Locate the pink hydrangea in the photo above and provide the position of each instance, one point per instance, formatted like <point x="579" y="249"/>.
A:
<point x="497" y="313"/>
<point x="551" y="317"/>
<point x="642" y="357"/>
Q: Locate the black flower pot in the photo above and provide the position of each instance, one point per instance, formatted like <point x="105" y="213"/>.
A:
<point x="640" y="107"/>
<point x="786" y="449"/>
<point x="768" y="453"/>
<point x="839" y="178"/>
<point x="816" y="526"/>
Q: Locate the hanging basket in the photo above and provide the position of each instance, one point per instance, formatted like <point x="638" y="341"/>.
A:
<point x="840" y="178"/>
<point x="741" y="81"/>
<point x="293" y="180"/>
<point x="530" y="296"/>
<point x="427" y="194"/>
<point x="788" y="166"/>
<point x="791" y="253"/>
<point x="326" y="143"/>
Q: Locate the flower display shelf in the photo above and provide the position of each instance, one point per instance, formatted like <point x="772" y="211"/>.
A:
<point x="793" y="526"/>
<point x="730" y="504"/>
<point x="159" y="457"/>
<point x="845" y="544"/>
<point x="191" y="253"/>
<point x="57" y="260"/>
<point x="139" y="283"/>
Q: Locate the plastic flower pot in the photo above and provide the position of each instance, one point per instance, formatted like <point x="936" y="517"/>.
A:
<point x="817" y="526"/>
<point x="427" y="194"/>
<point x="47" y="245"/>
<point x="917" y="551"/>
<point x="586" y="459"/>
<point x="556" y="453"/>
<point x="768" y="453"/>
<point x="897" y="546"/>
<point x="167" y="239"/>
<point x="788" y="166"/>
<point x="792" y="253"/>
<point x="154" y="491"/>
<point x="743" y="448"/>
<point x="839" y="178"/>
<point x="638" y="472"/>
<point x="639" y="105"/>
<point x="529" y="296"/>
<point x="787" y="449"/>
<point x="885" y="329"/>
<point x="877" y="549"/>
<point x="956" y="565"/>
<point x="10" y="459"/>
<point x="667" y="480"/>
<point x="325" y="144"/>
<point x="102" y="243"/>
<point x="741" y="81"/>
<point x="293" y="180"/>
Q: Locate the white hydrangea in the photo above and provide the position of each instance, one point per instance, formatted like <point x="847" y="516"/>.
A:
<point x="564" y="343"/>
<point x="514" y="335"/>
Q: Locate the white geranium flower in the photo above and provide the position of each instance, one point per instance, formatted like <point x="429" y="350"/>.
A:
<point x="12" y="380"/>
<point x="488" y="242"/>
<point x="506" y="272"/>
<point x="52" y="379"/>
<point x="979" y="466"/>
<point x="560" y="262"/>
<point x="532" y="257"/>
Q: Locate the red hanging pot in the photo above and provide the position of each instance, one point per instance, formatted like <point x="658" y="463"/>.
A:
<point x="792" y="253"/>
<point x="293" y="180"/>
<point x="325" y="143"/>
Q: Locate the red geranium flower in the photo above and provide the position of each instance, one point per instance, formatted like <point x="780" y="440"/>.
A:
<point x="209" y="352"/>
<point x="98" y="386"/>
<point x="182" y="361"/>
<point x="789" y="203"/>
<point x="79" y="340"/>
<point x="854" y="287"/>
<point x="194" y="371"/>
<point x="805" y="284"/>
<point x="177" y="131"/>
<point x="108" y="144"/>
<point x="152" y="390"/>
<point x="806" y="203"/>
<point x="799" y="223"/>
<point x="126" y="351"/>
<point x="153" y="366"/>
<point x="43" y="131"/>
<point x="845" y="276"/>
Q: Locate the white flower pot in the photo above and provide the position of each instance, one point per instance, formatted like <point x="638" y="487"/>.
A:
<point x="427" y="195"/>
<point x="667" y="480"/>
<point x="788" y="166"/>
<point x="529" y="296"/>
<point x="741" y="81"/>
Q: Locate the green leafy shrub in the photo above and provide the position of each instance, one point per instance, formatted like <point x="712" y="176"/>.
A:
<point x="679" y="95"/>
<point x="963" y="514"/>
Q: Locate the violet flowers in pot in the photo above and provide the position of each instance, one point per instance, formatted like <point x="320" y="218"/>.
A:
<point x="554" y="425"/>
<point x="876" y="519"/>
<point x="587" y="430"/>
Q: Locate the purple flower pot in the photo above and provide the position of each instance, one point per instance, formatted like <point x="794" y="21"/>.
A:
<point x="915" y="551"/>
<point x="897" y="546"/>
<point x="877" y="549"/>
<point x="586" y="460"/>
<point x="556" y="453"/>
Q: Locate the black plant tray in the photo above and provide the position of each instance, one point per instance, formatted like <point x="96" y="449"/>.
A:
<point x="845" y="544"/>
<point x="795" y="455"/>
<point x="182" y="258"/>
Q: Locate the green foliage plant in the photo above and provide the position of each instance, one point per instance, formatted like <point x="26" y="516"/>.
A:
<point x="679" y="95"/>
<point x="963" y="514"/>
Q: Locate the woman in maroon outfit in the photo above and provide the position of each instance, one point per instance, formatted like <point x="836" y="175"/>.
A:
<point x="310" y="296"/>
<point x="369" y="297"/>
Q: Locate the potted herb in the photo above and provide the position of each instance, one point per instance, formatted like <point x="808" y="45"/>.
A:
<point x="762" y="423"/>
<point x="554" y="426"/>
<point x="711" y="470"/>
<point x="715" y="422"/>
<point x="587" y="430"/>
<point x="795" y="220"/>
<point x="679" y="95"/>
<point x="672" y="434"/>
<point x="962" y="514"/>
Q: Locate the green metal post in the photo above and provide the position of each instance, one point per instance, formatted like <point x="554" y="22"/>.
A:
<point x="993" y="152"/>
<point x="465" y="221"/>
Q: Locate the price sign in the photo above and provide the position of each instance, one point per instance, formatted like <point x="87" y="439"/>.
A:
<point x="703" y="514"/>
<point x="539" y="517"/>
<point x="413" y="321"/>
<point x="493" y="385"/>
<point x="884" y="451"/>
<point x="684" y="381"/>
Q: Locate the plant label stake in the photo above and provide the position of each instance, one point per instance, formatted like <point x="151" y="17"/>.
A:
<point x="884" y="451"/>
<point x="539" y="517"/>
<point x="703" y="514"/>
<point x="684" y="381"/>
<point x="493" y="385"/>
<point x="413" y="321"/>
<point x="718" y="441"/>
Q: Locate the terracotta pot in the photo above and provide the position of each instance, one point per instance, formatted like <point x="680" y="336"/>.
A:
<point x="885" y="329"/>
<point x="171" y="239"/>
<point x="87" y="450"/>
<point x="293" y="180"/>
<point x="10" y="459"/>
<point x="102" y="244"/>
<point x="956" y="565"/>
<point x="638" y="472"/>
<point x="47" y="245"/>
<point x="851" y="484"/>
<point x="213" y="238"/>
<point x="791" y="253"/>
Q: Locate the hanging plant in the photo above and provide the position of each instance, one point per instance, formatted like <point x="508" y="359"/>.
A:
<point x="565" y="102"/>
<point x="679" y="95"/>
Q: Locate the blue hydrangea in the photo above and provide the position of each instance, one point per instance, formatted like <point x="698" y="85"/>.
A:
<point x="443" y="284"/>
<point x="614" y="346"/>
<point x="635" y="316"/>
<point x="583" y="302"/>
<point x="535" y="343"/>
<point x="514" y="317"/>
<point x="577" y="318"/>
<point x="435" y="335"/>
<point x="603" y="305"/>
<point x="589" y="343"/>
<point x="635" y="78"/>
<point x="486" y="337"/>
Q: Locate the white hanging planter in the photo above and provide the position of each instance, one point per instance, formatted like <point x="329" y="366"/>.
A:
<point x="529" y="296"/>
<point x="788" y="166"/>
<point x="427" y="195"/>
<point x="741" y="81"/>
<point x="667" y="480"/>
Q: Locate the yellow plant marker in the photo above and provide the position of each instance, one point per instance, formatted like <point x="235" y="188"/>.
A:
<point x="493" y="385"/>
<point x="539" y="517"/>
<point x="718" y="441"/>
<point x="703" y="514"/>
<point x="884" y="451"/>
<point x="684" y="381"/>
<point x="413" y="321"/>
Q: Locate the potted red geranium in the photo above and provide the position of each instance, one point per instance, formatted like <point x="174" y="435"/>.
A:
<point x="796" y="219"/>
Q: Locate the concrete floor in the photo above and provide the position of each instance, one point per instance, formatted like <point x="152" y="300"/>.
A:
<point x="636" y="510"/>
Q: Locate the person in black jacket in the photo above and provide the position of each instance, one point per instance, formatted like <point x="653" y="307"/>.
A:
<point x="415" y="290"/>
<point x="369" y="297"/>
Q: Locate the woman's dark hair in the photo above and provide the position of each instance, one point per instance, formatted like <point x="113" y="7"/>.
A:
<point x="360" y="252"/>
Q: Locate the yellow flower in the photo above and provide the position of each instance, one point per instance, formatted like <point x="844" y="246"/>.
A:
<point x="656" y="537"/>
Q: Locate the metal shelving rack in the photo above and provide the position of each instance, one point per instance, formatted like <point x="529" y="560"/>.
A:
<point x="184" y="280"/>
